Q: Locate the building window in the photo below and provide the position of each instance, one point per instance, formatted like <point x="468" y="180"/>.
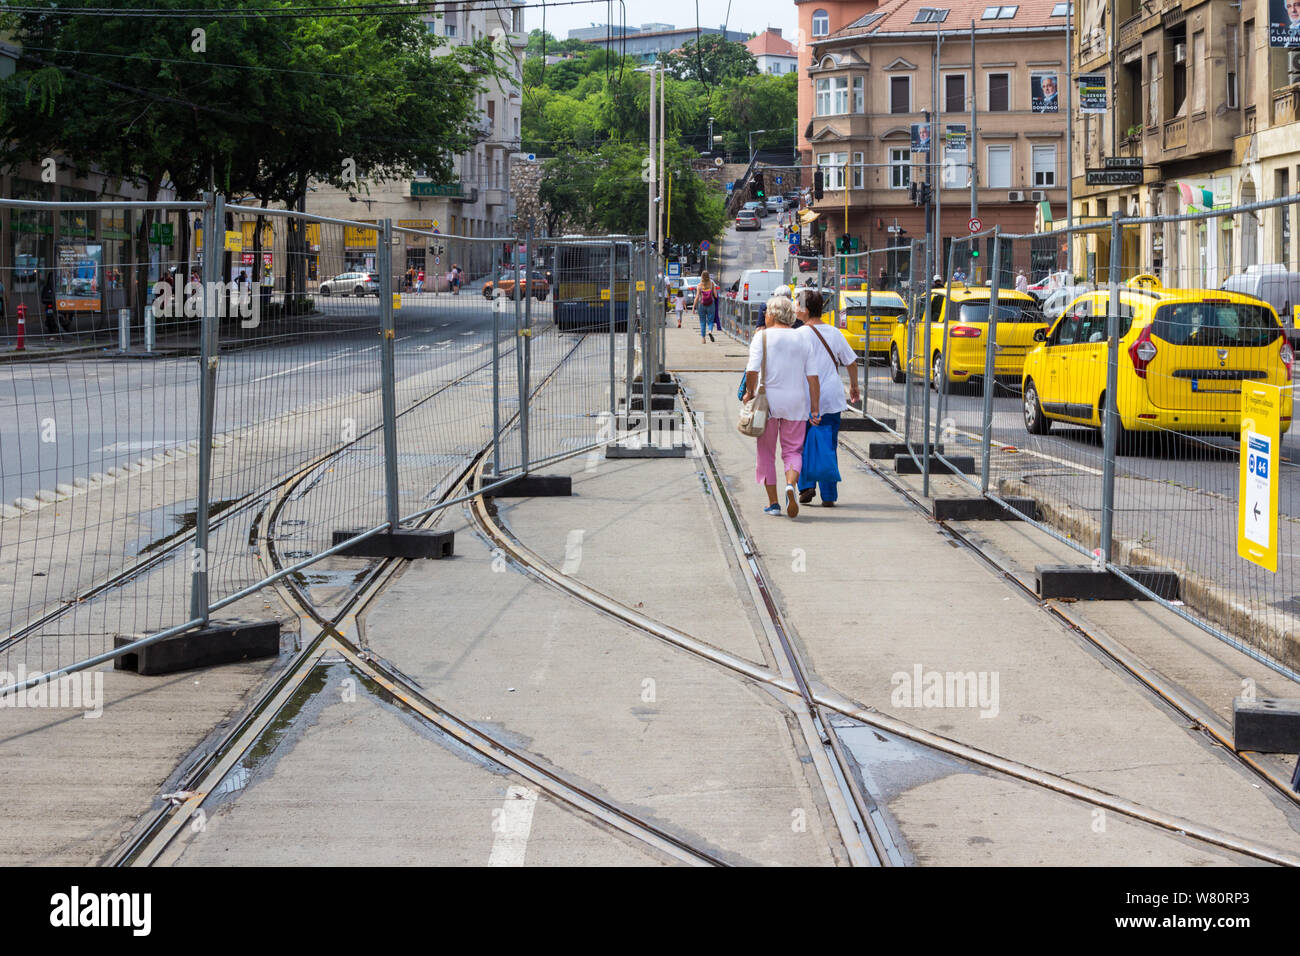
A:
<point x="900" y="94"/>
<point x="857" y="171"/>
<point x="859" y="99"/>
<point x="1247" y="58"/>
<point x="930" y="15"/>
<point x="954" y="93"/>
<point x="999" y="13"/>
<point x="999" y="92"/>
<point x="1177" y="53"/>
<point x="840" y="94"/>
<point x="832" y="165"/>
<point x="822" y="105"/>
<point x="1061" y="9"/>
<point x="1231" y="54"/>
<point x="821" y="23"/>
<point x="900" y="168"/>
<point x="999" y="165"/>
<point x="1153" y="89"/>
<point x="1044" y="165"/>
<point x="1201" y="68"/>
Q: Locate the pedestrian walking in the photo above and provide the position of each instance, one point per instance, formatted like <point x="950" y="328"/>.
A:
<point x="679" y="305"/>
<point x="782" y="358"/>
<point x="706" y="304"/>
<point x="1022" y="284"/>
<point x="410" y="279"/>
<point x="456" y="278"/>
<point x="830" y="352"/>
<point x="419" y="281"/>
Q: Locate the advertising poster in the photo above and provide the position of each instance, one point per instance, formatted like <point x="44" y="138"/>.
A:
<point x="1284" y="23"/>
<point x="1092" y="93"/>
<point x="921" y="138"/>
<point x="1043" y="93"/>
<point x="79" y="281"/>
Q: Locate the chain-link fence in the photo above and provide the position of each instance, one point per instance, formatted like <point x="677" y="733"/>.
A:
<point x="1112" y="398"/>
<point x="272" y="400"/>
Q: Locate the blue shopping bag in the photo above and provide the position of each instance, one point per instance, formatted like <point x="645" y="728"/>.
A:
<point x="819" y="462"/>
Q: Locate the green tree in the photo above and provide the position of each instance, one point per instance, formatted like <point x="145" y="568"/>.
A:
<point x="710" y="61"/>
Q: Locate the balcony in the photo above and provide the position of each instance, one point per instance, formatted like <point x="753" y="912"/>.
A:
<point x="1286" y="104"/>
<point x="494" y="197"/>
<point x="1130" y="31"/>
<point x="1176" y="133"/>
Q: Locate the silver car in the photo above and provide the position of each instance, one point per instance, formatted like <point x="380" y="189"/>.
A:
<point x="350" y="283"/>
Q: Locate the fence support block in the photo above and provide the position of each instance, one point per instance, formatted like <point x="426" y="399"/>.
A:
<point x="531" y="486"/>
<point x="868" y="424"/>
<point x="983" y="509"/>
<point x="892" y="449"/>
<point x="206" y="647"/>
<point x="402" y="543"/>
<point x="1088" y="584"/>
<point x="1267" y="725"/>
<point x="905" y="464"/>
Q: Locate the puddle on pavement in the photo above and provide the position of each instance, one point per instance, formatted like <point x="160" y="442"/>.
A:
<point x="180" y="517"/>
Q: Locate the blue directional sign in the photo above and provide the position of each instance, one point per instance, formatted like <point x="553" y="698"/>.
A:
<point x="674" y="268"/>
<point x="730" y="187"/>
<point x="778" y="180"/>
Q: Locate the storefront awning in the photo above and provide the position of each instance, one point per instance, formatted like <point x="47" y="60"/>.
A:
<point x="807" y="215"/>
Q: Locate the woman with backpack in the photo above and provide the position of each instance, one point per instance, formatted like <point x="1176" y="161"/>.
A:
<point x="706" y="295"/>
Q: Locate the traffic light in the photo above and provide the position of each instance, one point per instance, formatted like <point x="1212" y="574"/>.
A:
<point x="762" y="192"/>
<point x="818" y="184"/>
<point x="753" y="189"/>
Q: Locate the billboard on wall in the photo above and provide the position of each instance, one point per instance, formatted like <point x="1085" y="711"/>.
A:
<point x="1092" y="92"/>
<point x="921" y="138"/>
<point x="1284" y="23"/>
<point x="1043" y="92"/>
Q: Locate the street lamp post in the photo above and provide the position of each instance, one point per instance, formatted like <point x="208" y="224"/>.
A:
<point x="752" y="134"/>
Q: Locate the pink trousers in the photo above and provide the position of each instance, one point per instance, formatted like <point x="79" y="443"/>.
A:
<point x="791" y="433"/>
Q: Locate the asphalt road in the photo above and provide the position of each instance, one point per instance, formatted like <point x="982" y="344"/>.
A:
<point x="68" y="419"/>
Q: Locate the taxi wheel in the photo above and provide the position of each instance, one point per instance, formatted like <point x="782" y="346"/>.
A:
<point x="895" y="366"/>
<point x="1036" y="423"/>
<point x="939" y="378"/>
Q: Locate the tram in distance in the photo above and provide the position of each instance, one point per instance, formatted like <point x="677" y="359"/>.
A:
<point x="581" y="292"/>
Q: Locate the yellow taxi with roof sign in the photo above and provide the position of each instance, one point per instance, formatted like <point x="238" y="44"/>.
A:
<point x="885" y="308"/>
<point x="1183" y="355"/>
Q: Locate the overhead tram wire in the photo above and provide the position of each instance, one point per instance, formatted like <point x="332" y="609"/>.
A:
<point x="398" y="9"/>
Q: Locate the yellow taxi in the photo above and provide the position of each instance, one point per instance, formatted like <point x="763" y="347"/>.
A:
<point x="886" y="308"/>
<point x="1183" y="354"/>
<point x="959" y="331"/>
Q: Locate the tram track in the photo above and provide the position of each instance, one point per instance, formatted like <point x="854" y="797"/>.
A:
<point x="831" y="701"/>
<point x="338" y="640"/>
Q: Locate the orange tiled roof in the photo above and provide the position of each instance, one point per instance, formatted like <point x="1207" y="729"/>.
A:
<point x="769" y="43"/>
<point x="899" y="16"/>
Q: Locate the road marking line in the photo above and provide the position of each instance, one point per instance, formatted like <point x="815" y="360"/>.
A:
<point x="512" y="823"/>
<point x="296" y="368"/>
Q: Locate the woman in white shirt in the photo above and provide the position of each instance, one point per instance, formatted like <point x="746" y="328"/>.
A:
<point x="828" y="358"/>
<point x="792" y="389"/>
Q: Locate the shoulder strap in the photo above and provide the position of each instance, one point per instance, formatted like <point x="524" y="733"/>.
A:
<point x="762" y="376"/>
<point x="834" y="360"/>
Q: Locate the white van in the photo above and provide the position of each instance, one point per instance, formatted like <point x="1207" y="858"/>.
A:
<point x="1273" y="284"/>
<point x="756" y="286"/>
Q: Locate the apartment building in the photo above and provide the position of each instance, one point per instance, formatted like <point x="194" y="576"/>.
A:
<point x="1206" y="110"/>
<point x="870" y="84"/>
<point x="476" y="201"/>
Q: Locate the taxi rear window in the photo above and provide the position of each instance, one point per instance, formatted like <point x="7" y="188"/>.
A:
<point x="1009" y="310"/>
<point x="1216" y="323"/>
<point x="857" y="305"/>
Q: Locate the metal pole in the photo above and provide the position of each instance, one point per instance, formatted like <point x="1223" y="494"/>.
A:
<point x="653" y="169"/>
<point x="496" y="364"/>
<point x="629" y="331"/>
<point x="925" y="391"/>
<point x="866" y="339"/>
<point x="907" y="359"/>
<point x="974" y="198"/>
<point x="1069" y="141"/>
<point x="388" y="381"/>
<point x="214" y="214"/>
<point x="941" y="384"/>
<point x="990" y="348"/>
<point x="1109" y="432"/>
<point x="525" y="346"/>
<point x="936" y="248"/>
<point x="520" y="298"/>
<point x="663" y="137"/>
<point x="124" y="329"/>
<point x="647" y="361"/>
<point x="613" y="346"/>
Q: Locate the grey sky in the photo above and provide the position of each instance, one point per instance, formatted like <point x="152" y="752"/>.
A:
<point x="746" y="15"/>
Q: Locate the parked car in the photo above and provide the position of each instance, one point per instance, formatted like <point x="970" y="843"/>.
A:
<point x="757" y="208"/>
<point x="690" y="284"/>
<point x="350" y="283"/>
<point x="775" y="204"/>
<point x="886" y="309"/>
<point x="1271" y="284"/>
<point x="807" y="263"/>
<point x="966" y="311"/>
<point x="537" y="287"/>
<point x="1183" y="356"/>
<point x="755" y="287"/>
<point x="747" y="220"/>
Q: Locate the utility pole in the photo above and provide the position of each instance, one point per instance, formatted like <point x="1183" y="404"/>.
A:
<point x="973" y="152"/>
<point x="936" y="247"/>
<point x="1069" y="138"/>
<point x="663" y="136"/>
<point x="651" y="169"/>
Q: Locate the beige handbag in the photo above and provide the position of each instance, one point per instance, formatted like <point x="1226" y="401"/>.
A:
<point x="753" y="413"/>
